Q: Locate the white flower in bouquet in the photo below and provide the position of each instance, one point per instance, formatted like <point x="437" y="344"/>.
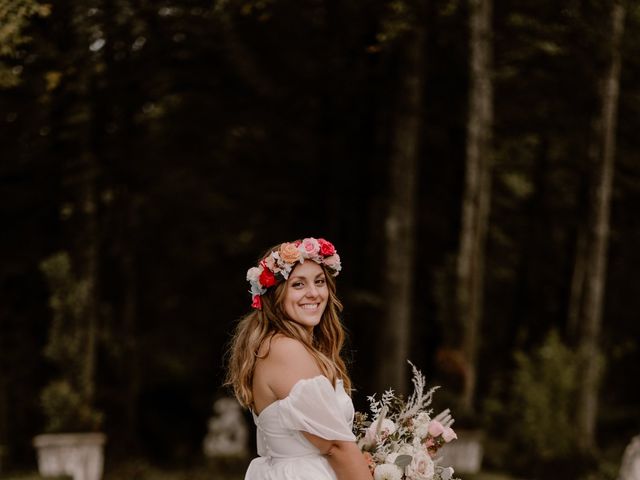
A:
<point x="421" y="425"/>
<point x="407" y="449"/>
<point x="421" y="467"/>
<point x="449" y="435"/>
<point x="379" y="430"/>
<point x="387" y="471"/>
<point x="391" y="458"/>
<point x="446" y="473"/>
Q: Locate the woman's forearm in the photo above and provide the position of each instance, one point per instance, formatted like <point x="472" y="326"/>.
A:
<point x="347" y="461"/>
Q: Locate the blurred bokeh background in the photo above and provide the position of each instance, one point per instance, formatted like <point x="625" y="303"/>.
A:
<point x="476" y="163"/>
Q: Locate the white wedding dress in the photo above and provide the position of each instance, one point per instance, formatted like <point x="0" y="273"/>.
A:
<point x="314" y="406"/>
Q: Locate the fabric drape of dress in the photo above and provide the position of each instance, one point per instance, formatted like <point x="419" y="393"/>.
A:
<point x="314" y="406"/>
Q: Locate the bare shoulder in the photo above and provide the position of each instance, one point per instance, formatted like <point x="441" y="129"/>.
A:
<point x="283" y="347"/>
<point x="288" y="362"/>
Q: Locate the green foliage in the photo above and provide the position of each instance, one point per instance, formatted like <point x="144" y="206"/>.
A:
<point x="15" y="15"/>
<point x="66" y="403"/>
<point x="67" y="300"/>
<point x="67" y="410"/>
<point x="535" y="433"/>
<point x="543" y="399"/>
<point x="400" y="19"/>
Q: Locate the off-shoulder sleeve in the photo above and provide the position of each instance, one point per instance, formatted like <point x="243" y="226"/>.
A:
<point x="313" y="406"/>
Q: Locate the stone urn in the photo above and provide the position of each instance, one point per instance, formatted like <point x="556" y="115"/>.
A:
<point x="465" y="453"/>
<point x="78" y="455"/>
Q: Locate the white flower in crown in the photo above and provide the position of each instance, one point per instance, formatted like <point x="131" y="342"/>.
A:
<point x="253" y="274"/>
<point x="256" y="289"/>
<point x="387" y="471"/>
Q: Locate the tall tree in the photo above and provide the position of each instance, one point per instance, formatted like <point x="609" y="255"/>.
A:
<point x="593" y="267"/>
<point x="15" y="15"/>
<point x="77" y="126"/>
<point x="477" y="191"/>
<point x="400" y="222"/>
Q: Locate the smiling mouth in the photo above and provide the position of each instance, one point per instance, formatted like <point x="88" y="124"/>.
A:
<point x="310" y="306"/>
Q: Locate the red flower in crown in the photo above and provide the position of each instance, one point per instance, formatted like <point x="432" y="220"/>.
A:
<point x="326" y="248"/>
<point x="257" y="302"/>
<point x="267" y="278"/>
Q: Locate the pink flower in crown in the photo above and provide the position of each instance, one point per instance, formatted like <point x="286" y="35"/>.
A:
<point x="449" y="435"/>
<point x="435" y="428"/>
<point x="310" y="248"/>
<point x="289" y="252"/>
<point x="326" y="248"/>
<point x="333" y="262"/>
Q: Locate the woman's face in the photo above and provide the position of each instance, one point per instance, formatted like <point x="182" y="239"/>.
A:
<point x="306" y="294"/>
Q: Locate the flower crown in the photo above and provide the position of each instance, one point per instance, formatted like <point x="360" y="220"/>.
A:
<point x="277" y="266"/>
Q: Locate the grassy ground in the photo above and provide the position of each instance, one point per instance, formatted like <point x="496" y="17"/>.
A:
<point x="153" y="473"/>
<point x="487" y="476"/>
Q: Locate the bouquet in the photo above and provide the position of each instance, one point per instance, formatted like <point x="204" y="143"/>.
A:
<point x="400" y="439"/>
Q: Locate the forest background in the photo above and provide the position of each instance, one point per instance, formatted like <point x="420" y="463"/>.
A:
<point x="475" y="163"/>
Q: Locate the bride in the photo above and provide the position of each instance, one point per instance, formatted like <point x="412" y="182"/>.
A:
<point x="285" y="366"/>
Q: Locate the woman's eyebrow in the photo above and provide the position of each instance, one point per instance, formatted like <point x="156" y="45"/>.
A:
<point x="304" y="278"/>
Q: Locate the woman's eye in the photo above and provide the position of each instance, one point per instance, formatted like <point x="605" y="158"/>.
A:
<point x="297" y="284"/>
<point x="320" y="282"/>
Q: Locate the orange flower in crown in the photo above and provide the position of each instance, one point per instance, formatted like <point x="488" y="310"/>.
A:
<point x="277" y="266"/>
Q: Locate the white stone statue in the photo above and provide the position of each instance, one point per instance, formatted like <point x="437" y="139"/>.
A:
<point x="630" y="468"/>
<point x="228" y="431"/>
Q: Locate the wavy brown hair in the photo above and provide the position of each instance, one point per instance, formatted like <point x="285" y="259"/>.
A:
<point x="261" y="325"/>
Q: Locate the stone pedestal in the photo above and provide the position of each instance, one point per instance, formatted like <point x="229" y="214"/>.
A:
<point x="79" y="455"/>
<point x="465" y="453"/>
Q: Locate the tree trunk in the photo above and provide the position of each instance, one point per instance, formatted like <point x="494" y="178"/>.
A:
<point x="81" y="178"/>
<point x="477" y="193"/>
<point x="400" y="222"/>
<point x="130" y="321"/>
<point x="598" y="240"/>
<point x="90" y="276"/>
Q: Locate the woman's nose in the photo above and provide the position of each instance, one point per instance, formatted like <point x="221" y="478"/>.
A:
<point x="312" y="291"/>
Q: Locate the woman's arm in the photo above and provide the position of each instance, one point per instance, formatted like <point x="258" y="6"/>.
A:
<point x="344" y="457"/>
